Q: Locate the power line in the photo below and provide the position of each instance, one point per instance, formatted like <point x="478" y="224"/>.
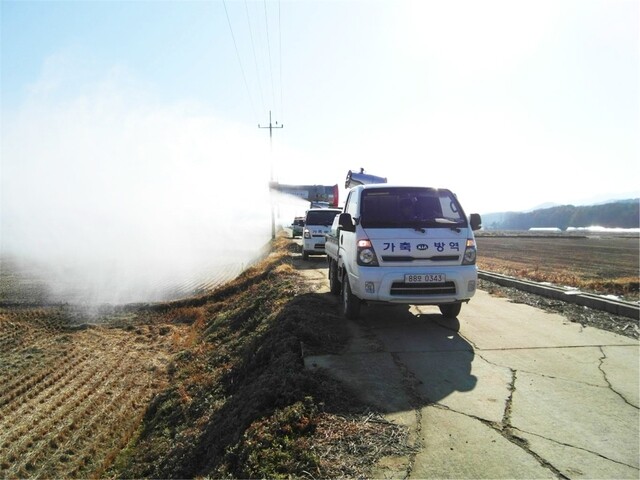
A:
<point x="266" y="20"/>
<point x="255" y="57"/>
<point x="244" y="77"/>
<point x="280" y="54"/>
<point x="259" y="66"/>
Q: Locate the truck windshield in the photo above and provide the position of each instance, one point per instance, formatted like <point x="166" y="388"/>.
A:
<point x="411" y="207"/>
<point x="321" y="217"/>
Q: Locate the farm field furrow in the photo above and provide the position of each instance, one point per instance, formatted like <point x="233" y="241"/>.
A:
<point x="71" y="398"/>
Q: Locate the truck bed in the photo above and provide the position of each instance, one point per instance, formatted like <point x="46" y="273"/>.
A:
<point x="331" y="246"/>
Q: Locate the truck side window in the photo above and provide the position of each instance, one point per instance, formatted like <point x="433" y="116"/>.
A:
<point x="351" y="206"/>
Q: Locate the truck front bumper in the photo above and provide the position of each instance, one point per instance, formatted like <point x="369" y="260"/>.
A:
<point x="314" y="245"/>
<point x="388" y="285"/>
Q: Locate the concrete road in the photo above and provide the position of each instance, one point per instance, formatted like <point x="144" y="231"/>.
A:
<point x="504" y="391"/>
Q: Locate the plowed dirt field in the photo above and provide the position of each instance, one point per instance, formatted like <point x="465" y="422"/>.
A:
<point x="604" y="264"/>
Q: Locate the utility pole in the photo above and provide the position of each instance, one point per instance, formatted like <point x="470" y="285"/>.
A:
<point x="271" y="127"/>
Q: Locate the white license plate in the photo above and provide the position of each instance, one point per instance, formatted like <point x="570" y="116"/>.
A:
<point x="426" y="278"/>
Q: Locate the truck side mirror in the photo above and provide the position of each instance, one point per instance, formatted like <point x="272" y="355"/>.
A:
<point x="476" y="221"/>
<point x="346" y="222"/>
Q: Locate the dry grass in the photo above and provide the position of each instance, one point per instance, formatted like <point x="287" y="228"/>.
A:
<point x="71" y="399"/>
<point x="621" y="286"/>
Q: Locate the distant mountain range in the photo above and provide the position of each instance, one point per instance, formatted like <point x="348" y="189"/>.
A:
<point x="614" y="214"/>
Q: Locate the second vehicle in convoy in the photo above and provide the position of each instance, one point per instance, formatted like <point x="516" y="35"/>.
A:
<point x="316" y="224"/>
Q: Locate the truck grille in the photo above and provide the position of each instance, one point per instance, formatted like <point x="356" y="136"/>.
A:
<point x="412" y="289"/>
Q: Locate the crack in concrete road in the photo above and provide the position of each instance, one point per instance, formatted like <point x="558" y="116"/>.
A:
<point x="508" y="431"/>
<point x="410" y="384"/>
<point x="606" y="379"/>
<point x="504" y="428"/>
<point x="586" y="450"/>
<point x="609" y="386"/>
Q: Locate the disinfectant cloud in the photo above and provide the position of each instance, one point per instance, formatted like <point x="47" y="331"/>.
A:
<point x="115" y="198"/>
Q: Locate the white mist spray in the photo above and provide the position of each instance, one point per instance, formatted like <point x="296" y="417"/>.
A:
<point x="117" y="200"/>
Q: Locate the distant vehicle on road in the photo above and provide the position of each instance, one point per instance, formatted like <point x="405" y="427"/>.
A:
<point x="316" y="224"/>
<point x="297" y="227"/>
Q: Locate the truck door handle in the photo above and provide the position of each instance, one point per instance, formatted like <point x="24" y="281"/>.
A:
<point x="340" y="239"/>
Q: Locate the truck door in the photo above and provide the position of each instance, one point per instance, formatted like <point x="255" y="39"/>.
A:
<point x="347" y="239"/>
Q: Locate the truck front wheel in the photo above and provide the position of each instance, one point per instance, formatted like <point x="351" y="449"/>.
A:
<point x="450" y="310"/>
<point x="350" y="303"/>
<point x="334" y="284"/>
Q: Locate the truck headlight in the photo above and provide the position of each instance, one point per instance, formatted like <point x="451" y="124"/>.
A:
<point x="366" y="254"/>
<point x="469" y="253"/>
<point x="307" y="233"/>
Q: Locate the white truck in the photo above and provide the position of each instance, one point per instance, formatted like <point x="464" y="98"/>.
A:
<point x="402" y="245"/>
<point x="316" y="224"/>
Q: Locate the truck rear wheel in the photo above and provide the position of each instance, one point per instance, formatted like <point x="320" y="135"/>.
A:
<point x="334" y="284"/>
<point x="450" y="310"/>
<point x="350" y="303"/>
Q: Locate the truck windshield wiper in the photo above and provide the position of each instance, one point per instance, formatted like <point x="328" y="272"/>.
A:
<point x="420" y="225"/>
<point x="451" y="223"/>
<point x="417" y="225"/>
<point x="448" y="221"/>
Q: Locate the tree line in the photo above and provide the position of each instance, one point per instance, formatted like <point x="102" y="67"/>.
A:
<point x="621" y="214"/>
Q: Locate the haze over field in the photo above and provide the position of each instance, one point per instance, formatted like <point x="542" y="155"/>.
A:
<point x="127" y="197"/>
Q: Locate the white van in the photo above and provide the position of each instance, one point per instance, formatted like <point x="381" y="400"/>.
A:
<point x="316" y="224"/>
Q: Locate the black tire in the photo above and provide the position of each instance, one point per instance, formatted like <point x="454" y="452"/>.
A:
<point x="334" y="283"/>
<point x="305" y="255"/>
<point x="350" y="303"/>
<point x="450" y="310"/>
